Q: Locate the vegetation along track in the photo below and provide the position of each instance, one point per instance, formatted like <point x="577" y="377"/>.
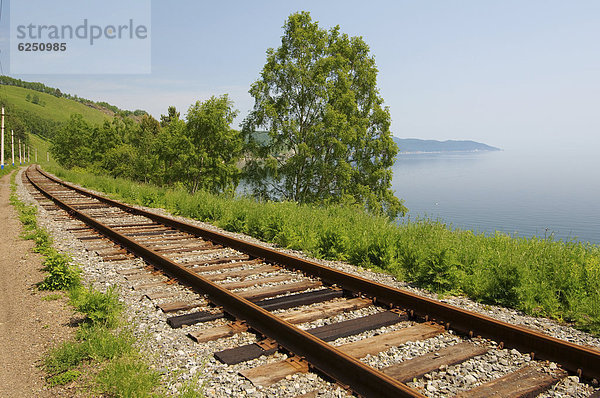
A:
<point x="269" y="292"/>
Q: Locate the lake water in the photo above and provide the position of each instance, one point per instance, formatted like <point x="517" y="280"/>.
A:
<point x="528" y="193"/>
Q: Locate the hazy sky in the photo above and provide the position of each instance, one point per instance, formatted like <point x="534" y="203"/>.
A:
<point x="500" y="72"/>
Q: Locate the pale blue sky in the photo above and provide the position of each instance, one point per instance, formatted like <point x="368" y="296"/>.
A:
<point x="500" y="72"/>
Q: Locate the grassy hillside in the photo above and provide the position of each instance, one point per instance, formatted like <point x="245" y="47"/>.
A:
<point x="43" y="148"/>
<point x="54" y="108"/>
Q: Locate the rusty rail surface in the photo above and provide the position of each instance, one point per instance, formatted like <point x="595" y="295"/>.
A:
<point x="581" y="360"/>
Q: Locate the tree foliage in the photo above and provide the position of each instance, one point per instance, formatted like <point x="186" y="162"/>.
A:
<point x="216" y="147"/>
<point x="328" y="132"/>
<point x="172" y="146"/>
<point x="200" y="153"/>
<point x="71" y="144"/>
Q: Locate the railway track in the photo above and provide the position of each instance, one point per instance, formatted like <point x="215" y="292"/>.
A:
<point x="294" y="305"/>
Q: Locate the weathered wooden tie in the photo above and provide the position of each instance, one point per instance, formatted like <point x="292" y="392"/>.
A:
<point x="419" y="366"/>
<point x="525" y="382"/>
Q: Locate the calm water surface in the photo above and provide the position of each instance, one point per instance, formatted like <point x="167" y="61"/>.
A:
<point x="528" y="193"/>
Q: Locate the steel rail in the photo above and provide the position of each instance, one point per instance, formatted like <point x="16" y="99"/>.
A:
<point x="578" y="359"/>
<point x="347" y="370"/>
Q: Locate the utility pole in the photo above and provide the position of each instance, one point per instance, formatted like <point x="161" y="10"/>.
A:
<point x="47" y="156"/>
<point x="2" y="146"/>
<point x="20" y="157"/>
<point x="12" y="145"/>
<point x="36" y="155"/>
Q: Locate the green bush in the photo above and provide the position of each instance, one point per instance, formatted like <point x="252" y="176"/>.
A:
<point x="27" y="216"/>
<point x="99" y="308"/>
<point x="42" y="240"/>
<point x="61" y="274"/>
<point x="332" y="244"/>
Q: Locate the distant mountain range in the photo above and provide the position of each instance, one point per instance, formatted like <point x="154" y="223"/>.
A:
<point x="412" y="145"/>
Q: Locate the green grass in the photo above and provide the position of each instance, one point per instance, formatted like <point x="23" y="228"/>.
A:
<point x="43" y="147"/>
<point x="64" y="378"/>
<point x="52" y="297"/>
<point x="54" y="108"/>
<point x="542" y="277"/>
<point x="7" y="169"/>
<point x="43" y="243"/>
<point x="94" y="343"/>
<point x="117" y="366"/>
<point x="99" y="308"/>
<point x="128" y="377"/>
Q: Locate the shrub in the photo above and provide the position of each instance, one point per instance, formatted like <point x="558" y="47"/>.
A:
<point x="62" y="275"/>
<point x="332" y="244"/>
<point x="42" y="240"/>
<point x="99" y="308"/>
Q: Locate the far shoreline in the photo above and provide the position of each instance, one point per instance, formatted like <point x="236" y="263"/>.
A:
<point x="440" y="152"/>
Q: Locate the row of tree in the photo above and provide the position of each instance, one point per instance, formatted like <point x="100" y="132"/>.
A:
<point x="200" y="152"/>
<point x="318" y="131"/>
<point x="36" y="86"/>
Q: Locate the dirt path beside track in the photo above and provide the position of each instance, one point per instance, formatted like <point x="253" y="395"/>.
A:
<point x="29" y="326"/>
